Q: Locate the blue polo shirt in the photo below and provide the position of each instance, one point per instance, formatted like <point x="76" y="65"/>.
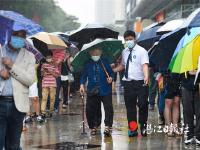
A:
<point x="93" y="73"/>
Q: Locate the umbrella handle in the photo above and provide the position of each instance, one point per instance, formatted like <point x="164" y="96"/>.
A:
<point x="104" y="68"/>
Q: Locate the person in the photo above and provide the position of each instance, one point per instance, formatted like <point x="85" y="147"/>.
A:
<point x="99" y="89"/>
<point x="135" y="61"/>
<point x="172" y="103"/>
<point x="34" y="100"/>
<point x="58" y="58"/>
<point x="49" y="75"/>
<point x="16" y="75"/>
<point x="191" y="105"/>
<point x="65" y="70"/>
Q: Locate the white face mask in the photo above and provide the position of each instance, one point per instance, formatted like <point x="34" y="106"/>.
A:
<point x="130" y="44"/>
<point x="95" y="58"/>
<point x="49" y="60"/>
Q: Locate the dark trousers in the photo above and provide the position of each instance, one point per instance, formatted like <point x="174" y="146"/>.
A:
<point x="191" y="107"/>
<point x="11" y="124"/>
<point x="93" y="110"/>
<point x="135" y="94"/>
<point x="152" y="88"/>
<point x="57" y="100"/>
<point x="64" y="85"/>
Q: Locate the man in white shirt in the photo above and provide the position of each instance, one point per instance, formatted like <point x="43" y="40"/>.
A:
<point x="135" y="62"/>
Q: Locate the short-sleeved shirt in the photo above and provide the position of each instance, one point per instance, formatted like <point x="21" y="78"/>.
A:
<point x="139" y="58"/>
<point x="48" y="79"/>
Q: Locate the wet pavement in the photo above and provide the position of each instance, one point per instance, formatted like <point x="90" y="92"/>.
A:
<point x="64" y="132"/>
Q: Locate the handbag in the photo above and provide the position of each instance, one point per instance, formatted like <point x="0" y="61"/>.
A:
<point x="70" y="77"/>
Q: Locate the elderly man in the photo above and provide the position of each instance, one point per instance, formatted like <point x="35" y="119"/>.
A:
<point x="16" y="75"/>
<point x="99" y="90"/>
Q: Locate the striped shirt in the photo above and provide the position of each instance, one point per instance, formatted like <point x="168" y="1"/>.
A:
<point x="59" y="56"/>
<point x="48" y="79"/>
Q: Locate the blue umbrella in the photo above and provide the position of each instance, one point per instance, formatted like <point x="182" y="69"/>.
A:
<point x="12" y="20"/>
<point x="149" y="36"/>
<point x="166" y="47"/>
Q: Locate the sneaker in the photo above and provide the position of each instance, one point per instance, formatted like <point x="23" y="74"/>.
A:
<point x="43" y="116"/>
<point x="188" y="140"/>
<point x="107" y="131"/>
<point x="197" y="141"/>
<point x="132" y="133"/>
<point x="64" y="105"/>
<point x="143" y="130"/>
<point x="40" y="119"/>
<point x="28" y="119"/>
<point x="161" y="121"/>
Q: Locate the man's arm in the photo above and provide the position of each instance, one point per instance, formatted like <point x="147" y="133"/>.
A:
<point x="146" y="73"/>
<point x="119" y="68"/>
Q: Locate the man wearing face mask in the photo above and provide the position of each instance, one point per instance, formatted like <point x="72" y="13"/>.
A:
<point x="136" y="77"/>
<point x="16" y="75"/>
<point x="99" y="89"/>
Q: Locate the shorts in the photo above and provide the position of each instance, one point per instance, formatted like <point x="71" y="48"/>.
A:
<point x="172" y="91"/>
<point x="33" y="90"/>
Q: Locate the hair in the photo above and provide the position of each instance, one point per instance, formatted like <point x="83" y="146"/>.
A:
<point x="129" y="33"/>
<point x="50" y="53"/>
<point x="95" y="49"/>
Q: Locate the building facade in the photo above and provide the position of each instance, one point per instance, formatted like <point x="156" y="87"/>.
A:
<point x="158" y="10"/>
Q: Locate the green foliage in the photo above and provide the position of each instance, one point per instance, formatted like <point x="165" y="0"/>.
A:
<point x="46" y="12"/>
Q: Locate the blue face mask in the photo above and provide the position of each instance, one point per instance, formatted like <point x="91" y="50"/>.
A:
<point x="17" y="42"/>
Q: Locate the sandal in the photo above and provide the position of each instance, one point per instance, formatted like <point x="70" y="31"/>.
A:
<point x="107" y="131"/>
<point x="93" y="131"/>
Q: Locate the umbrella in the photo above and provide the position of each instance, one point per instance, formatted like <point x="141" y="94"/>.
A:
<point x="52" y="41"/>
<point x="17" y="19"/>
<point x="111" y="48"/>
<point x="168" y="42"/>
<point x="148" y="36"/>
<point x="170" y="26"/>
<point x="71" y="45"/>
<point x="91" y="32"/>
<point x="185" y="57"/>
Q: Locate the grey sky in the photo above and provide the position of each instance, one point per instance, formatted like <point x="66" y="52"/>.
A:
<point x="83" y="9"/>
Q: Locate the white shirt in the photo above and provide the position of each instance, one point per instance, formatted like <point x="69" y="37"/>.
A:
<point x="139" y="58"/>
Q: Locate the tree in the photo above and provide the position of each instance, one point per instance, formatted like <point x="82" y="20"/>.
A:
<point x="44" y="12"/>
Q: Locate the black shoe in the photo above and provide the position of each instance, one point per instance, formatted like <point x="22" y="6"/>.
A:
<point x="43" y="116"/>
<point x="132" y="133"/>
<point x="40" y="119"/>
<point x="28" y="119"/>
<point x="107" y="132"/>
<point x="143" y="130"/>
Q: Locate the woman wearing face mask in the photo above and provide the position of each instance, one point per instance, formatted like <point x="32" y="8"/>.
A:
<point x="99" y="89"/>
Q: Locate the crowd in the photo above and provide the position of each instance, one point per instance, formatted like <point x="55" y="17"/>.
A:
<point x="48" y="84"/>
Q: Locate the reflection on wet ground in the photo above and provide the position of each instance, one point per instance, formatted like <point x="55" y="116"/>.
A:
<point x="63" y="132"/>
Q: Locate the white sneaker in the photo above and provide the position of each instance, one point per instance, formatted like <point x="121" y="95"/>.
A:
<point x="188" y="141"/>
<point x="197" y="141"/>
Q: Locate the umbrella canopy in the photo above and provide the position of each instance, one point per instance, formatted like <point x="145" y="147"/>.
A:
<point x="168" y="42"/>
<point x="170" y="26"/>
<point x="91" y="32"/>
<point x="148" y="36"/>
<point x="52" y="41"/>
<point x="111" y="48"/>
<point x="21" y="21"/>
<point x="186" y="55"/>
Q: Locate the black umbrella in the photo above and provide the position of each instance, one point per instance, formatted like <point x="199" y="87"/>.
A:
<point x="91" y="32"/>
<point x="162" y="53"/>
<point x="149" y="36"/>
